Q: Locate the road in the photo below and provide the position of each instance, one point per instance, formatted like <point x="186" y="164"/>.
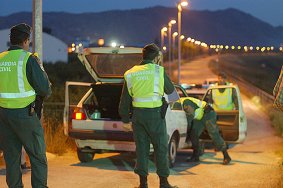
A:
<point x="254" y="163"/>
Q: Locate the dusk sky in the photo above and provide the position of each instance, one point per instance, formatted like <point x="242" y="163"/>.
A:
<point x="267" y="10"/>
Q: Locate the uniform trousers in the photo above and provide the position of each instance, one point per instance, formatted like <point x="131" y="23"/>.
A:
<point x="17" y="129"/>
<point x="149" y="127"/>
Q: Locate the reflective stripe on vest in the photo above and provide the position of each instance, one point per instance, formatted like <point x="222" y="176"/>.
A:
<point x="222" y="101"/>
<point x="146" y="85"/>
<point x="15" y="90"/>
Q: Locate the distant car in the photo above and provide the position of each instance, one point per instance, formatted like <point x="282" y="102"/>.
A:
<point x="209" y="82"/>
<point x="94" y="121"/>
<point x="194" y="90"/>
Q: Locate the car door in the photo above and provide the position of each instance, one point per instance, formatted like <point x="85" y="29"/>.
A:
<point x="232" y="123"/>
<point x="71" y="101"/>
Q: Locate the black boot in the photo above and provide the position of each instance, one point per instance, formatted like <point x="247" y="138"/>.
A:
<point x="143" y="182"/>
<point x="227" y="158"/>
<point x="164" y="183"/>
<point x="194" y="157"/>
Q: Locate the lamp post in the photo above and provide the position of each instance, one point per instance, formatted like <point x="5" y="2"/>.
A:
<point x="169" y="43"/>
<point x="174" y="35"/>
<point x="180" y="5"/>
<point x="162" y="32"/>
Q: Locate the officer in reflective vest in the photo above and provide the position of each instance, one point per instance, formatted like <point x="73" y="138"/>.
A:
<point x="201" y="116"/>
<point x="143" y="89"/>
<point x="224" y="98"/>
<point x="22" y="78"/>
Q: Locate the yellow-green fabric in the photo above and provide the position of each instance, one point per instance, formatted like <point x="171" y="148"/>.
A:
<point x="15" y="90"/>
<point x="222" y="100"/>
<point x="199" y="112"/>
<point x="145" y="85"/>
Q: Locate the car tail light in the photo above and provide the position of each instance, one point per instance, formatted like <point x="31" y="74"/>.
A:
<point x="78" y="114"/>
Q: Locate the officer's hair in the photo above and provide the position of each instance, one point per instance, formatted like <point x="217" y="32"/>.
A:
<point x="150" y="51"/>
<point x="18" y="37"/>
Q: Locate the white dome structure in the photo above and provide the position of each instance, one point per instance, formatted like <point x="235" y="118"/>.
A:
<point x="53" y="49"/>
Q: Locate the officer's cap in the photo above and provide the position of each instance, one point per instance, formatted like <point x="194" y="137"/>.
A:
<point x="22" y="27"/>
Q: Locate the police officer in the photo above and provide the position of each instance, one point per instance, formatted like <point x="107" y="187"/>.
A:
<point x="143" y="89"/>
<point x="224" y="98"/>
<point x="200" y="116"/>
<point x="22" y="79"/>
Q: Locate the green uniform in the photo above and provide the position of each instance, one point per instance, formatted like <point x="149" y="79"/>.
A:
<point x="148" y="127"/>
<point x="20" y="128"/>
<point x="208" y="122"/>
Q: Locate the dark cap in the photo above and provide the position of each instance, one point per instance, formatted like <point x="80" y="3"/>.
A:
<point x="22" y="27"/>
<point x="150" y="51"/>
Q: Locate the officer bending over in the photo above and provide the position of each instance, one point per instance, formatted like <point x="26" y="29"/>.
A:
<point x="200" y="116"/>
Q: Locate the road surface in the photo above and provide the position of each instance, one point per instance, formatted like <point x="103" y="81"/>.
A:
<point x="254" y="164"/>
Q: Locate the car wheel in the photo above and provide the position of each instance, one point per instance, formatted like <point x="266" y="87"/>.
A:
<point x="172" y="150"/>
<point x="84" y="157"/>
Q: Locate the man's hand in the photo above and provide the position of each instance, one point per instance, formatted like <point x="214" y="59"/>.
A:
<point x="127" y="127"/>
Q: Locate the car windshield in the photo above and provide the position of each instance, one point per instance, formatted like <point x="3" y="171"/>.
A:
<point x="113" y="65"/>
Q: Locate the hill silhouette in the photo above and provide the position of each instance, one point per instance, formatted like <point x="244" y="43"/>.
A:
<point x="140" y="26"/>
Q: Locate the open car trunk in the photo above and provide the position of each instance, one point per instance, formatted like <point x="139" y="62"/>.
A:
<point x="103" y="102"/>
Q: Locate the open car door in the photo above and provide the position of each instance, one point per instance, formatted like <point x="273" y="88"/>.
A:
<point x="71" y="101"/>
<point x="232" y="123"/>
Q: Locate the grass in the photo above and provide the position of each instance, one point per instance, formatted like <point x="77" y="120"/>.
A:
<point x="56" y="141"/>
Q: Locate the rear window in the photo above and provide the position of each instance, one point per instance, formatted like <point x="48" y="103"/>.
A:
<point x="113" y="65"/>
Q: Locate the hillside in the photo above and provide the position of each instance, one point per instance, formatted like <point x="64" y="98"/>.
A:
<point x="140" y="26"/>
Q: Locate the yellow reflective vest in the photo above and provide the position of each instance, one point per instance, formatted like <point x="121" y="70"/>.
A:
<point x="15" y="90"/>
<point x="199" y="112"/>
<point x="145" y="85"/>
<point x="223" y="101"/>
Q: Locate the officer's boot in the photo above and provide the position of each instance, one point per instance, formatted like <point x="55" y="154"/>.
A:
<point x="194" y="157"/>
<point x="164" y="183"/>
<point x="143" y="182"/>
<point x="227" y="158"/>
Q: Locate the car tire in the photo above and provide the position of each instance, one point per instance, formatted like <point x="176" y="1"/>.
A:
<point x="85" y="157"/>
<point x="172" y="150"/>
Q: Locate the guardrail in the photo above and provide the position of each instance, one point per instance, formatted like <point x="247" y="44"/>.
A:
<point x="251" y="90"/>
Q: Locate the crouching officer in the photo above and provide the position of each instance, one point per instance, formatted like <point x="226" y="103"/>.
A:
<point x="200" y="115"/>
<point x="143" y="89"/>
<point x="21" y="80"/>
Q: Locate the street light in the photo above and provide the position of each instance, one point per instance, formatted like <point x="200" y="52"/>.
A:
<point x="162" y="32"/>
<point x="175" y="34"/>
<point x="170" y="23"/>
<point x="180" y="5"/>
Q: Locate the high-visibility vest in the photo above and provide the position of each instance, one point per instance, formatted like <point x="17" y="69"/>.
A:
<point x="15" y="90"/>
<point x="145" y="85"/>
<point x="199" y="112"/>
<point x="223" y="101"/>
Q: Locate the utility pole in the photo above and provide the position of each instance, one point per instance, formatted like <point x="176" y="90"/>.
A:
<point x="37" y="28"/>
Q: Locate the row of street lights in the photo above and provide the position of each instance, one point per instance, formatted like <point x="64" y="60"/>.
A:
<point x="175" y="34"/>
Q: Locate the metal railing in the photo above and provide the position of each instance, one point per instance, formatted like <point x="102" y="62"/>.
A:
<point x="251" y="91"/>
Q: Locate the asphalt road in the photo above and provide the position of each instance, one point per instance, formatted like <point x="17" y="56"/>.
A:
<point x="254" y="163"/>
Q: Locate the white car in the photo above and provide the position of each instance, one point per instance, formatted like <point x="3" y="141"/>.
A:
<point x="94" y="121"/>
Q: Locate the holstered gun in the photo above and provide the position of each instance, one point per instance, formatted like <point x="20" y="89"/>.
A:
<point x="38" y="106"/>
<point x="164" y="108"/>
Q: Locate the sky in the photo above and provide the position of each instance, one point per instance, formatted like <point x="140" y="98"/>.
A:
<point x="269" y="11"/>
